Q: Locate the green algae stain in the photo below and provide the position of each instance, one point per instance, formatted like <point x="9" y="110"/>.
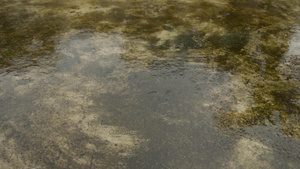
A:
<point x="269" y="92"/>
<point x="245" y="38"/>
<point x="27" y="35"/>
<point x="235" y="41"/>
<point x="186" y="41"/>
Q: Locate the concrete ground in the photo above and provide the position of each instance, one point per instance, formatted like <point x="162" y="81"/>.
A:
<point x="149" y="84"/>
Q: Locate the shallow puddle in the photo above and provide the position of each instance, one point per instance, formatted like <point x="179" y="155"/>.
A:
<point x="149" y="84"/>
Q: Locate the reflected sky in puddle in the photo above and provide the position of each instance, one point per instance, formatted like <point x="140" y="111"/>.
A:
<point x="119" y="87"/>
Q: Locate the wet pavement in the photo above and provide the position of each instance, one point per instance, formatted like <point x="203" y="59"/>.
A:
<point x="149" y="84"/>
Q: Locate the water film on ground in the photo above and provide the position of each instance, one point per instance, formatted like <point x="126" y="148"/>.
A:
<point x="154" y="84"/>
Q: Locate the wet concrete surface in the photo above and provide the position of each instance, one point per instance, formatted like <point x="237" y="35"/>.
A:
<point x="160" y="84"/>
